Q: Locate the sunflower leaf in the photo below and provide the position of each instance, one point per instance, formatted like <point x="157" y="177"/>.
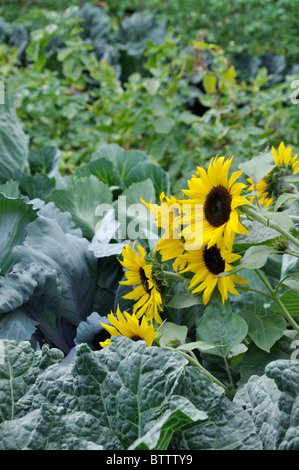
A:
<point x="259" y="166"/>
<point x="221" y="327"/>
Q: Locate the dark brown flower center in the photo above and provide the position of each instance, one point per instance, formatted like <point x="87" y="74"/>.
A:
<point x="217" y="206"/>
<point x="213" y="260"/>
<point x="144" y="281"/>
<point x="136" y="338"/>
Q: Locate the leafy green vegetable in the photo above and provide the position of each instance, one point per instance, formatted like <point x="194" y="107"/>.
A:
<point x="14" y="143"/>
<point x="96" y="403"/>
<point x="271" y="400"/>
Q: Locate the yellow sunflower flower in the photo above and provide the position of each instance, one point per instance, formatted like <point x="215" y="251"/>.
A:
<point x="168" y="215"/>
<point x="129" y="326"/>
<point x="271" y="186"/>
<point x="220" y="197"/>
<point x="206" y="264"/>
<point x="139" y="274"/>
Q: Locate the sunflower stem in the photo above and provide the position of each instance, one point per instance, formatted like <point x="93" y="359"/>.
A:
<point x="229" y="374"/>
<point x="255" y="290"/>
<point x="174" y="276"/>
<point x="197" y="364"/>
<point x="277" y="300"/>
<point x="269" y="223"/>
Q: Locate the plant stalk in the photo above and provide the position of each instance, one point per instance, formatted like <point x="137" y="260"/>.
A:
<point x="269" y="223"/>
<point x="277" y="300"/>
<point x="199" y="366"/>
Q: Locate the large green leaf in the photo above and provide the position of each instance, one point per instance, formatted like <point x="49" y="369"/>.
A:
<point x="16" y="288"/>
<point x="228" y="428"/>
<point x="15" y="214"/>
<point x="222" y="327"/>
<point x="259" y="166"/>
<point x="65" y="255"/>
<point x="64" y="219"/>
<point x="132" y="166"/>
<point x="272" y="401"/>
<point x="17" y="325"/>
<point x="20" y="366"/>
<point x="44" y="161"/>
<point x="126" y="396"/>
<point x="81" y="199"/>
<point x="35" y="186"/>
<point x="103" y="169"/>
<point x="265" y="325"/>
<point x="13" y="142"/>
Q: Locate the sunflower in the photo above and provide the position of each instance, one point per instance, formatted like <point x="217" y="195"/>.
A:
<point x="206" y="264"/>
<point x="272" y="185"/>
<point x="220" y="198"/>
<point x="168" y="215"/>
<point x="139" y="274"/>
<point x="129" y="326"/>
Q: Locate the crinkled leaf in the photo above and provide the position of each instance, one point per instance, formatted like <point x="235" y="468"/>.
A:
<point x="20" y="366"/>
<point x="229" y="427"/>
<point x="272" y="401"/>
<point x="16" y="288"/>
<point x="181" y="412"/>
<point x="96" y="402"/>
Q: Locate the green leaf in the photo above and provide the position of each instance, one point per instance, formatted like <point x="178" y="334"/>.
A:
<point x="221" y="327"/>
<point x="95" y="403"/>
<point x="209" y="83"/>
<point x="20" y="366"/>
<point x="259" y="166"/>
<point x="200" y="345"/>
<point x="281" y="218"/>
<point x="103" y="169"/>
<point x="81" y="199"/>
<point x="64" y="219"/>
<point x="255" y="359"/>
<point x="66" y="256"/>
<point x="163" y="125"/>
<point x="290" y="300"/>
<point x="258" y="234"/>
<point x="44" y="161"/>
<point x="15" y="214"/>
<point x="16" y="288"/>
<point x="36" y="186"/>
<point x="283" y="198"/>
<point x="254" y="258"/>
<point x="293" y="282"/>
<point x="264" y="327"/>
<point x="147" y="170"/>
<point x="229" y="427"/>
<point x="184" y="299"/>
<point x="271" y="400"/>
<point x="123" y="161"/>
<point x="181" y="412"/>
<point x="17" y="326"/>
<point x="171" y="335"/>
<point x="13" y="142"/>
<point x="10" y="189"/>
